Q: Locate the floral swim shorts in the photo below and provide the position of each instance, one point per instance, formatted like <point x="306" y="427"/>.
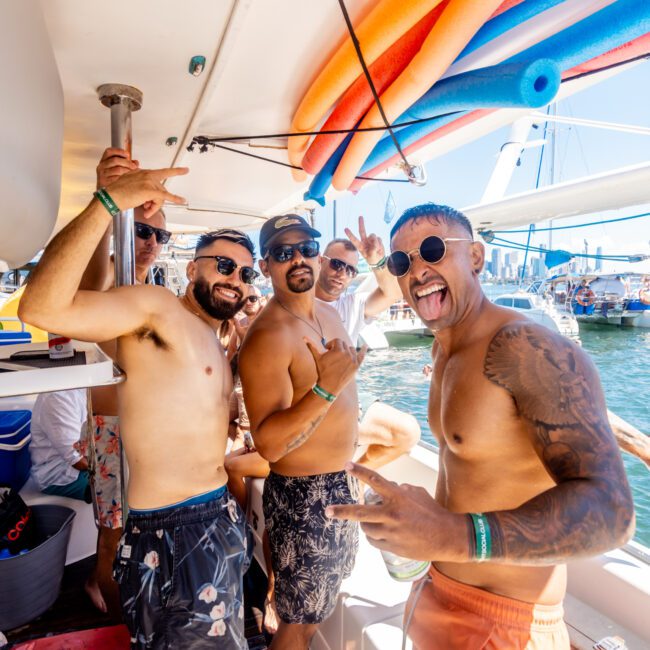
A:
<point x="311" y="553"/>
<point x="180" y="570"/>
<point x="107" y="479"/>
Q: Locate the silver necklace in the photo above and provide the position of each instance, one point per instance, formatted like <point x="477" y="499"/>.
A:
<point x="320" y="333"/>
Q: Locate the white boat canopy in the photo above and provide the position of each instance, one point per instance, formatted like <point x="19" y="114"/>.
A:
<point x="261" y="56"/>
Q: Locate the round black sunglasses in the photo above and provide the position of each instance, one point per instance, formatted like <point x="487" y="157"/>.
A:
<point x="432" y="250"/>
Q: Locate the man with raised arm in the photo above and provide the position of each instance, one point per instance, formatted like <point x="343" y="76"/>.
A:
<point x="385" y="433"/>
<point x="150" y="236"/>
<point x="530" y="475"/>
<point x="297" y="367"/>
<point x="181" y="559"/>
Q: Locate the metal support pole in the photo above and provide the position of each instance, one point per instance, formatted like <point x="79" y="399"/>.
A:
<point x="334" y="218"/>
<point x="122" y="100"/>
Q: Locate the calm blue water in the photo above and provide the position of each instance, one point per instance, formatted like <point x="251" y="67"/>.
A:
<point x="621" y="355"/>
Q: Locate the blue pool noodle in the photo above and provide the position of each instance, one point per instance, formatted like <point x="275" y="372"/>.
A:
<point x="321" y="182"/>
<point x="612" y="26"/>
<point x="517" y="85"/>
<point x="506" y="21"/>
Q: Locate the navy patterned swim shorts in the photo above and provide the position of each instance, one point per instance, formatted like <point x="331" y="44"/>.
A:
<point x="180" y="572"/>
<point x="311" y="553"/>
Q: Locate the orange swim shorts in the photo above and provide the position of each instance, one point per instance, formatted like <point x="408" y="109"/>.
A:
<point x="450" y="615"/>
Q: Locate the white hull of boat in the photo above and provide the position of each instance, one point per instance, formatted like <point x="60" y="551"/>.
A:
<point x="642" y="320"/>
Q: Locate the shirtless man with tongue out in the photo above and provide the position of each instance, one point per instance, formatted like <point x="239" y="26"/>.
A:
<point x="530" y="475"/>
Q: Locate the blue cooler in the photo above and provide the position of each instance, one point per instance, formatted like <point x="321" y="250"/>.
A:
<point x="14" y="448"/>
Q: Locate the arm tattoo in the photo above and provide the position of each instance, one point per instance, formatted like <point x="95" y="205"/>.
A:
<point x="557" y="393"/>
<point x="306" y="434"/>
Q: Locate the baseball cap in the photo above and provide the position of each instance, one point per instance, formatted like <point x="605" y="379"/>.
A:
<point x="282" y="223"/>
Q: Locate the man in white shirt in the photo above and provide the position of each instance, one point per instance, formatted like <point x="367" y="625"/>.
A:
<point x="340" y="267"/>
<point x="385" y="433"/>
<point x="57" y="465"/>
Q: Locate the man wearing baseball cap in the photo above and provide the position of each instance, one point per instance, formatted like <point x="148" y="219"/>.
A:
<point x="297" y="367"/>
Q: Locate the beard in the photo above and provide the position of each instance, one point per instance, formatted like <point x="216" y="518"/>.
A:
<point x="302" y="284"/>
<point x="214" y="306"/>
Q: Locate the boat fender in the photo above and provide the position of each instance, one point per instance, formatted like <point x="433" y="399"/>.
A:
<point x="585" y="297"/>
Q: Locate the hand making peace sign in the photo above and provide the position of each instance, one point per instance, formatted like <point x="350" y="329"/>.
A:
<point x="370" y="247"/>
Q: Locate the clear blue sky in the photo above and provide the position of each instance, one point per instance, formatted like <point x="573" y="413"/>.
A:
<point x="459" y="178"/>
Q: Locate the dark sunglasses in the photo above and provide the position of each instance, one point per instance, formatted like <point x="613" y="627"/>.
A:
<point x="253" y="299"/>
<point x="338" y="266"/>
<point x="226" y="266"/>
<point x="286" y="252"/>
<point x="144" y="231"/>
<point x="432" y="250"/>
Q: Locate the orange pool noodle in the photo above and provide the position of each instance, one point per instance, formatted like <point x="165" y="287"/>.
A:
<point x="376" y="33"/>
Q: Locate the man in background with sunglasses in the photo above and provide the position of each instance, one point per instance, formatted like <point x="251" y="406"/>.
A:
<point x="340" y="267"/>
<point x="530" y="475"/>
<point x="184" y="550"/>
<point x="297" y="367"/>
<point x="385" y="433"/>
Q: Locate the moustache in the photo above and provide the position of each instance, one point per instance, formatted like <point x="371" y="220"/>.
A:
<point x="298" y="267"/>
<point x="416" y="284"/>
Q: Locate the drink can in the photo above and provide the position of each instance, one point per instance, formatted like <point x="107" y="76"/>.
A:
<point x="60" y="346"/>
<point x="399" y="568"/>
<point x="248" y="441"/>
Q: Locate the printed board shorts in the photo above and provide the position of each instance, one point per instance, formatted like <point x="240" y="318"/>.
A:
<point x="311" y="553"/>
<point x="180" y="570"/>
<point x="107" y="480"/>
<point x="450" y="615"/>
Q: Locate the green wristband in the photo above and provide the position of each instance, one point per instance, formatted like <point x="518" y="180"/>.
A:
<point x="105" y="199"/>
<point x="483" y="536"/>
<point x="321" y="392"/>
<point x="380" y="264"/>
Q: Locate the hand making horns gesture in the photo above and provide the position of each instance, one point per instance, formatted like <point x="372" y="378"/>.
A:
<point x="337" y="365"/>
<point x="370" y="247"/>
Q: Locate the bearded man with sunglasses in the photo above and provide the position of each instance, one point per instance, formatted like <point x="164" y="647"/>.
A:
<point x="181" y="559"/>
<point x="297" y="366"/>
<point x="530" y="475"/>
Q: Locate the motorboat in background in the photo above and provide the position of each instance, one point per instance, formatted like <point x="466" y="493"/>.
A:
<point x="541" y="310"/>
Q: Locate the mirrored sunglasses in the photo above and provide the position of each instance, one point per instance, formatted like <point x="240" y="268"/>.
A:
<point x="339" y="265"/>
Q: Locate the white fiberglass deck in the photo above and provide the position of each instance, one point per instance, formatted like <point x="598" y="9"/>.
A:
<point x="371" y="604"/>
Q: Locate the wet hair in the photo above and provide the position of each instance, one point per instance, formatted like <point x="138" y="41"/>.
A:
<point x="347" y="244"/>
<point x="230" y="234"/>
<point x="436" y="212"/>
